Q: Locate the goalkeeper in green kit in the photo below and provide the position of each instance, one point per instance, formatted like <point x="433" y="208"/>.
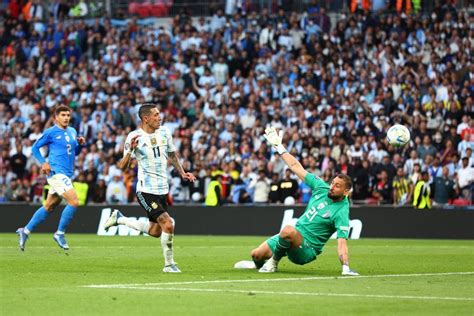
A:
<point x="327" y="212"/>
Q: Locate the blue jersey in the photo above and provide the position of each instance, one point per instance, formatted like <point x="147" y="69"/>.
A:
<point x="63" y="147"/>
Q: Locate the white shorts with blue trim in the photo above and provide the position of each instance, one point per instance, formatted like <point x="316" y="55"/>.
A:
<point x="59" y="184"/>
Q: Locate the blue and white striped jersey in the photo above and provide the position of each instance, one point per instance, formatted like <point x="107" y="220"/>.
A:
<point x="152" y="157"/>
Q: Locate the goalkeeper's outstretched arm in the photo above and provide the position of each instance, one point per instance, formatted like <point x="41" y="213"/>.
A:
<point x="294" y="165"/>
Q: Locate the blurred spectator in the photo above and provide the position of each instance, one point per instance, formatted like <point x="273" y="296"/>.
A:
<point x="288" y="186"/>
<point x="18" y="162"/>
<point x="99" y="192"/>
<point x="426" y="148"/>
<point x="402" y="188"/>
<point x="261" y="187"/>
<point x="382" y="189"/>
<point x="213" y="194"/>
<point x="443" y="188"/>
<point x="466" y="179"/>
<point x="116" y="192"/>
<point x="275" y="191"/>
<point x="422" y="192"/>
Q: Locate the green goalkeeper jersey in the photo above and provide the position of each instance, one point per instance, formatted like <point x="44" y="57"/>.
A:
<point x="322" y="216"/>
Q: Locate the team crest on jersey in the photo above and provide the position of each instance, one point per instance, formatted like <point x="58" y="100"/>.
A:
<point x="322" y="205"/>
<point x="67" y="138"/>
<point x="154" y="205"/>
<point x="153" y="141"/>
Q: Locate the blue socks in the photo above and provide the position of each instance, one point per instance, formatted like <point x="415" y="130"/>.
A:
<point x="38" y="217"/>
<point x="66" y="218"/>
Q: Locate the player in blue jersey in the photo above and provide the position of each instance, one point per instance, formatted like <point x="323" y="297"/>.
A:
<point x="63" y="145"/>
<point x="152" y="146"/>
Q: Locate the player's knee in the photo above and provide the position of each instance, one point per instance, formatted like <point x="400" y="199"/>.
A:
<point x="168" y="226"/>
<point x="288" y="232"/>
<point x="49" y="207"/>
<point x="256" y="255"/>
<point x="74" y="203"/>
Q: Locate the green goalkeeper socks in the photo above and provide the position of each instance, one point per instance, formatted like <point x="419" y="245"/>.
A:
<point x="281" y="248"/>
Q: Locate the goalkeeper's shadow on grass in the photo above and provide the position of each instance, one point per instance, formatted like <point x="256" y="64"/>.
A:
<point x="287" y="270"/>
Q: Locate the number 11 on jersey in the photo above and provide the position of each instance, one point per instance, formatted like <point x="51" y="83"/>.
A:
<point x="156" y="151"/>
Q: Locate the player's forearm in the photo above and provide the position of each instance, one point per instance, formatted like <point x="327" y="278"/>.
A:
<point x="291" y="161"/>
<point x="123" y="164"/>
<point x="175" y="162"/>
<point x="37" y="154"/>
<point x="294" y="165"/>
<point x="343" y="253"/>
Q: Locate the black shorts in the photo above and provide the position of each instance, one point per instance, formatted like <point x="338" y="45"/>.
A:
<point x="154" y="205"/>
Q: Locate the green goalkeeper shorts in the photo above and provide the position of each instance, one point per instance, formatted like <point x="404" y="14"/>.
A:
<point x="302" y="255"/>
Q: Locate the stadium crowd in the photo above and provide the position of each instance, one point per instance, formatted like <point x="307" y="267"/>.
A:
<point x="334" y="86"/>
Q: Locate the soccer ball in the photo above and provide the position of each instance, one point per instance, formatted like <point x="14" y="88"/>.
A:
<point x="398" y="135"/>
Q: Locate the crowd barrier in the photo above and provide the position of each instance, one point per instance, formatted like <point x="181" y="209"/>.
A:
<point x="380" y="222"/>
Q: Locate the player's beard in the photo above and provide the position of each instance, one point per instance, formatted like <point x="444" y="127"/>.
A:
<point x="335" y="197"/>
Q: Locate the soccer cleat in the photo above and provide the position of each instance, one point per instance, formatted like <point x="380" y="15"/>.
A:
<point x="61" y="240"/>
<point x="245" y="264"/>
<point x="349" y="273"/>
<point x="112" y="220"/>
<point x="172" y="268"/>
<point x="22" y="238"/>
<point x="269" y="267"/>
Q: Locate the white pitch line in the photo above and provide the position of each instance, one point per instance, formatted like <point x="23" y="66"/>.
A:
<point x="125" y="247"/>
<point x="279" y="279"/>
<point x="402" y="297"/>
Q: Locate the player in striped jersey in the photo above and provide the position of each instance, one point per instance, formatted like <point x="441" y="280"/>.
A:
<point x="152" y="145"/>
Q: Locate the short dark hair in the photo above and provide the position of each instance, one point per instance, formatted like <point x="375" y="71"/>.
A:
<point x="145" y="109"/>
<point x="61" y="108"/>
<point x="347" y="180"/>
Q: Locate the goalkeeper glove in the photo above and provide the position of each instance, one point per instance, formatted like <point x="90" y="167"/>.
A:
<point x="347" y="271"/>
<point x="274" y="138"/>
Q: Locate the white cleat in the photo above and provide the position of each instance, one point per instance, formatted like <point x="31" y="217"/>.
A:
<point x="269" y="267"/>
<point x="245" y="264"/>
<point x="172" y="268"/>
<point x="112" y="220"/>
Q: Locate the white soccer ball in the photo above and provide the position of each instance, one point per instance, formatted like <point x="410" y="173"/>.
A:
<point x="398" y="135"/>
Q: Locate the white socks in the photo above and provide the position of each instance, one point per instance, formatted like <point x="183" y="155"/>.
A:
<point x="142" y="226"/>
<point x="167" y="245"/>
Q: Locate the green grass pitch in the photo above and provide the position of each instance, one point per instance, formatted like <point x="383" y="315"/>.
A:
<point x="122" y="276"/>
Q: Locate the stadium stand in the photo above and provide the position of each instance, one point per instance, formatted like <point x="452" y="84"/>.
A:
<point x="334" y="82"/>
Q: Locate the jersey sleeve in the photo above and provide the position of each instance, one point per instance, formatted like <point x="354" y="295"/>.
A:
<point x="170" y="144"/>
<point x="78" y="146"/>
<point x="128" y="145"/>
<point x="42" y="141"/>
<point x="314" y="182"/>
<point x="341" y="223"/>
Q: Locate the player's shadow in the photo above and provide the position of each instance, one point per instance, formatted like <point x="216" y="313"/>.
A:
<point x="292" y="272"/>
